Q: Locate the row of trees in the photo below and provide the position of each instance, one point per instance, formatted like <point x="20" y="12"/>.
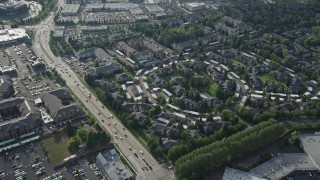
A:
<point x="189" y="144"/>
<point x="195" y="164"/>
<point x="276" y="114"/>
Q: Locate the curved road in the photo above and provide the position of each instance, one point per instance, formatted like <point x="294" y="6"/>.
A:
<point x="110" y="123"/>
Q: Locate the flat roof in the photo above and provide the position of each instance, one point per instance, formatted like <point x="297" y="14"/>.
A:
<point x="283" y="164"/>
<point x="234" y="174"/>
<point x="12" y="34"/>
<point x="70" y="9"/>
<point x="311" y="145"/>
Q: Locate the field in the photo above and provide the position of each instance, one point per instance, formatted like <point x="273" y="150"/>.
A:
<point x="57" y="148"/>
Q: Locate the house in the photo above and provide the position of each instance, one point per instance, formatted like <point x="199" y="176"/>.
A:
<point x="194" y="134"/>
<point x="285" y="106"/>
<point x="177" y="80"/>
<point x="124" y="47"/>
<point x="178" y="90"/>
<point x="279" y="75"/>
<point x="136" y="107"/>
<point x="106" y="69"/>
<point x="123" y="77"/>
<point x="213" y="101"/>
<point x="91" y="54"/>
<point x="207" y="128"/>
<point x="168" y="143"/>
<point x="110" y="87"/>
<point x="58" y="104"/>
<point x="158" y="129"/>
<point x="253" y="111"/>
<point x="118" y="96"/>
<point x="229" y="86"/>
<point x="295" y="85"/>
<point x="141" y="118"/>
<point x="255" y="82"/>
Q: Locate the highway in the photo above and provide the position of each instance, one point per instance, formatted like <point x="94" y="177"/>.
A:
<point x="130" y="148"/>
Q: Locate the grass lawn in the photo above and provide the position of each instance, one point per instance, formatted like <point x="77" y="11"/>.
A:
<point x="213" y="89"/>
<point x="235" y="61"/>
<point x="57" y="148"/>
<point x="265" y="78"/>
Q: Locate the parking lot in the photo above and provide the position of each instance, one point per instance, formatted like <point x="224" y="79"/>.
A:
<point x="30" y="162"/>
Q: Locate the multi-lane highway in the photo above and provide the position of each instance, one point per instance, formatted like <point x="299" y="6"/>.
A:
<point x="131" y="149"/>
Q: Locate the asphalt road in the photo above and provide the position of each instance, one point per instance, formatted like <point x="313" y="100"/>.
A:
<point x="42" y="49"/>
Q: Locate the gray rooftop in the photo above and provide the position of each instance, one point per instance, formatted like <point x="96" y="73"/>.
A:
<point x="234" y="174"/>
<point x="70" y="9"/>
<point x="283" y="164"/>
<point x="109" y="162"/>
<point x="28" y="113"/>
<point x="311" y="145"/>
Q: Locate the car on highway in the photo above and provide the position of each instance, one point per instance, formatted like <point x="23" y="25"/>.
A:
<point x="130" y="148"/>
<point x="135" y="154"/>
<point x="116" y="136"/>
<point x="141" y="152"/>
<point x="121" y="138"/>
<point x="102" y="120"/>
<point x="109" y="124"/>
<point x="125" y="135"/>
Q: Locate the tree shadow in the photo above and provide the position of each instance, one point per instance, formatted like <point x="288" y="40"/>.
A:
<point x="57" y="138"/>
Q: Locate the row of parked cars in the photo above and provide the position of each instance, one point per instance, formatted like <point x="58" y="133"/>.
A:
<point x="20" y="174"/>
<point x="55" y="176"/>
<point x="38" y="168"/>
<point x="79" y="174"/>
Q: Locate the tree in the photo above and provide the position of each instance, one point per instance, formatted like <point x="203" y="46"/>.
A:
<point x="228" y="115"/>
<point x="177" y="151"/>
<point x="157" y="110"/>
<point x="92" y="140"/>
<point x="69" y="129"/>
<point x="73" y="144"/>
<point x="82" y="134"/>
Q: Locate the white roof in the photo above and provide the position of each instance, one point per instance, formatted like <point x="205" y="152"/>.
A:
<point x="12" y="34"/>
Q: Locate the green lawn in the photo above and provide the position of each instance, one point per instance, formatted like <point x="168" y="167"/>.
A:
<point x="213" y="89"/>
<point x="265" y="78"/>
<point x="57" y="148"/>
<point x="235" y="61"/>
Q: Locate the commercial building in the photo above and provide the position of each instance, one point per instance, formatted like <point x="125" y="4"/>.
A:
<point x="11" y="36"/>
<point x="70" y="10"/>
<point x="13" y="8"/>
<point x="18" y="116"/>
<point x="194" y="6"/>
<point x="59" y="105"/>
<point x="111" y="166"/>
<point x="6" y="87"/>
<point x="283" y="165"/>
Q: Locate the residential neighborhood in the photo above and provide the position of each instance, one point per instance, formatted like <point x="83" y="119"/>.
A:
<point x="160" y="89"/>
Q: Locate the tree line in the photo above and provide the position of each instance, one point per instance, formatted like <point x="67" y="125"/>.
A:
<point x="195" y="164"/>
